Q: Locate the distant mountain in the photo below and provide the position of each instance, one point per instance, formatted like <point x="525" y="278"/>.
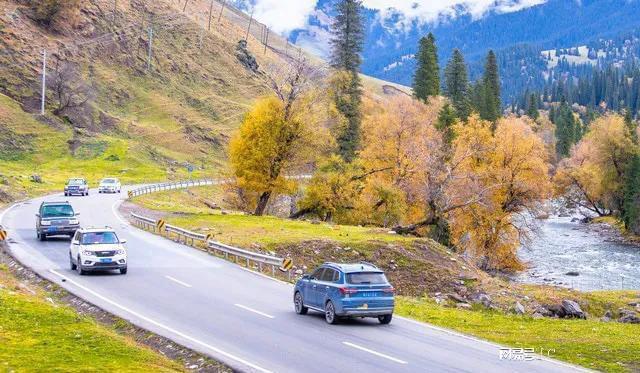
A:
<point x="518" y="38"/>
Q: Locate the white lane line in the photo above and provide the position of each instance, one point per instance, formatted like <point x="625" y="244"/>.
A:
<point x="169" y="329"/>
<point x="178" y="281"/>
<point x="5" y="211"/>
<point x="114" y="209"/>
<point x="374" y="352"/>
<point x="254" y="311"/>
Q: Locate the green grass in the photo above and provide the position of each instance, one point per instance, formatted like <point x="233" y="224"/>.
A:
<point x="611" y="347"/>
<point x="38" y="336"/>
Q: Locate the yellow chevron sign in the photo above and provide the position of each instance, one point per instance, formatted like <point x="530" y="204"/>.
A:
<point x="160" y="224"/>
<point x="209" y="236"/>
<point x="130" y="194"/>
<point x="287" y="264"/>
<point x="3" y="235"/>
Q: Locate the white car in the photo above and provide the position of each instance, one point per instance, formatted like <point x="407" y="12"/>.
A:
<point x="110" y="185"/>
<point x="97" y="249"/>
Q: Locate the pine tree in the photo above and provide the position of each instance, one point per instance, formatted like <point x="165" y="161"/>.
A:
<point x="457" y="85"/>
<point x="566" y="129"/>
<point x="631" y="204"/>
<point x="346" y="46"/>
<point x="532" y="111"/>
<point x="445" y="123"/>
<point x="632" y="127"/>
<point x="492" y="106"/>
<point x="426" y="81"/>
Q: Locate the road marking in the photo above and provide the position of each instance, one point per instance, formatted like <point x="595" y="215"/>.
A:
<point x="178" y="281"/>
<point x="254" y="311"/>
<point x="169" y="329"/>
<point x="114" y="209"/>
<point x="374" y="352"/>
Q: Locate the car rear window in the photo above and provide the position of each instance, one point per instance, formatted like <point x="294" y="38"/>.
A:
<point x="367" y="278"/>
<point x="76" y="182"/>
<point x="109" y="181"/>
<point x="99" y="238"/>
<point x="54" y="211"/>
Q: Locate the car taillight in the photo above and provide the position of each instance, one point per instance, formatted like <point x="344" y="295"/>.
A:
<point x="348" y="291"/>
<point x="390" y="290"/>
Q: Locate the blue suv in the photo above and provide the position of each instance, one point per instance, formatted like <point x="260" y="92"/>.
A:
<point x="345" y="290"/>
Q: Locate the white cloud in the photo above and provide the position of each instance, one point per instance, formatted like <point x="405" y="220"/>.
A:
<point x="426" y="11"/>
<point x="284" y="16"/>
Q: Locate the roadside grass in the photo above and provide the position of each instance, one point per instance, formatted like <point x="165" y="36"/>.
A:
<point x="36" y="335"/>
<point x="610" y="347"/>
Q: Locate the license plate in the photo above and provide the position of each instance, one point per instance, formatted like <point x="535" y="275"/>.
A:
<point x="105" y="260"/>
<point x="369" y="294"/>
<point x="52" y="229"/>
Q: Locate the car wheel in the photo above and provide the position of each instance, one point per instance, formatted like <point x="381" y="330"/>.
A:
<point x="123" y="271"/>
<point x="42" y="237"/>
<point x="66" y="194"/>
<point x="73" y="266"/>
<point x="330" y="313"/>
<point x="385" y="319"/>
<point x="299" y="304"/>
<point x="81" y="271"/>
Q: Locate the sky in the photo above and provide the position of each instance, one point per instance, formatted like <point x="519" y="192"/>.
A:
<point x="284" y="16"/>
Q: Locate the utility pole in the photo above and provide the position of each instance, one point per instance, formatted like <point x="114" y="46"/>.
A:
<point x="246" y="38"/>
<point x="224" y="2"/>
<point x="210" y="13"/>
<point x="150" y="47"/>
<point x="266" y="41"/>
<point x="44" y="80"/>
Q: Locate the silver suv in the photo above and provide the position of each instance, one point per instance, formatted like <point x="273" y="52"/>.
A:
<point x="97" y="249"/>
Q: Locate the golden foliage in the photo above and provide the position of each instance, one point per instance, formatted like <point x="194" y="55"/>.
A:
<point x="505" y="178"/>
<point x="592" y="177"/>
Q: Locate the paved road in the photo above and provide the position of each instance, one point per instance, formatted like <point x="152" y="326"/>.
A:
<point x="236" y="316"/>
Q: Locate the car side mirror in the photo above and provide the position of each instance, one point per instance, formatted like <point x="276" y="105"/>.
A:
<point x="123" y="241"/>
<point x="75" y="242"/>
<point x="37" y="215"/>
<point x="77" y="214"/>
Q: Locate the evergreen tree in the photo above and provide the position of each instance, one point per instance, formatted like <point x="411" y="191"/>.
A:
<point x="426" y="81"/>
<point x="566" y="129"/>
<point x="632" y="127"/>
<point x="491" y="107"/>
<point x="532" y="111"/>
<point x="457" y="85"/>
<point x="346" y="46"/>
<point x="445" y="123"/>
<point x="631" y="204"/>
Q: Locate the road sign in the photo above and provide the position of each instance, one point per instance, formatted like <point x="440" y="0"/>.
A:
<point x="160" y="224"/>
<point x="287" y="264"/>
<point x="130" y="194"/>
<point x="209" y="236"/>
<point x="3" y="235"/>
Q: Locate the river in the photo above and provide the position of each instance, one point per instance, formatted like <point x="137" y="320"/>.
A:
<point x="595" y="255"/>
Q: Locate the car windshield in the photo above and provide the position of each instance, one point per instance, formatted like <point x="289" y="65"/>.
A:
<point x="99" y="238"/>
<point x="76" y="182"/>
<point x="366" y="278"/>
<point x="108" y="181"/>
<point x="54" y="211"/>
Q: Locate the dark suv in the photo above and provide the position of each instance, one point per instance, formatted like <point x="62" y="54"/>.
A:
<point x="56" y="219"/>
<point x="345" y="290"/>
<point x="78" y="186"/>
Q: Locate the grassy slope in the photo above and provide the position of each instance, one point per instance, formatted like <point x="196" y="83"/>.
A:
<point x="610" y="347"/>
<point x="36" y="335"/>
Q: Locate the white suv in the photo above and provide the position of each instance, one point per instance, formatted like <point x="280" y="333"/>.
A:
<point x="97" y="249"/>
<point x="110" y="185"/>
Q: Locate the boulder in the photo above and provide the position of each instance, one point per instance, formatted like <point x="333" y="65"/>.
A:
<point x="481" y="298"/>
<point x="543" y="311"/>
<point x="572" y="273"/>
<point x="35" y="178"/>
<point x="572" y="310"/>
<point x="457" y="298"/>
<point x="628" y="317"/>
<point x="519" y="308"/>
<point x="607" y="317"/>
<point x="463" y="305"/>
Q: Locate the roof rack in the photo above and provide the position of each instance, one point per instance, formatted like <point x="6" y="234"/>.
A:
<point x="369" y="264"/>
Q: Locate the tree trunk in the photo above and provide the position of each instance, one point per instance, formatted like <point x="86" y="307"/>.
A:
<point x="262" y="203"/>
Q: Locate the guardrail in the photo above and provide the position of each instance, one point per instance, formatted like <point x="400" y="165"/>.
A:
<point x="183" y="184"/>
<point x="207" y="243"/>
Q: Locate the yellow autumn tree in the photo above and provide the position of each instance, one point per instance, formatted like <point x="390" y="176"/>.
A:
<point x="505" y="179"/>
<point x="593" y="176"/>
